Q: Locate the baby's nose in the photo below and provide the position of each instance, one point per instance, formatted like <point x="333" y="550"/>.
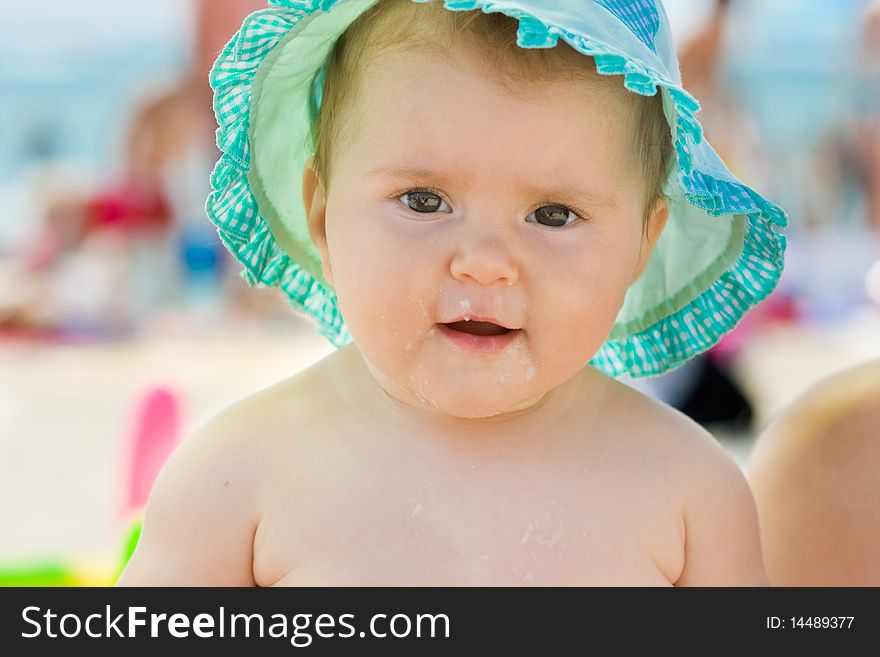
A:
<point x="485" y="259"/>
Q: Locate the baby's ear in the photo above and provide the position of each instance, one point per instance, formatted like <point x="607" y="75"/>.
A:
<point x="655" y="222"/>
<point x="315" y="204"/>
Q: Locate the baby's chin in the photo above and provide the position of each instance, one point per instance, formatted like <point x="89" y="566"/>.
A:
<point x="482" y="391"/>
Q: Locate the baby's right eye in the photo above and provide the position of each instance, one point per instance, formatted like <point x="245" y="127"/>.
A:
<point x="423" y="201"/>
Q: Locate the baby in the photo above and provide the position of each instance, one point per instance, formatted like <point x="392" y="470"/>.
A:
<point x="814" y="473"/>
<point x="505" y="221"/>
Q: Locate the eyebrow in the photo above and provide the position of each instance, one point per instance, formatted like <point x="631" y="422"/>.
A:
<point x="573" y="192"/>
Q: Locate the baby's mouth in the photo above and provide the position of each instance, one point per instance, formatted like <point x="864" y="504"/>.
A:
<point x="478" y="328"/>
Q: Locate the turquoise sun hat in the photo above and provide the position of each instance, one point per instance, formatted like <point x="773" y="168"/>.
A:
<point x="719" y="254"/>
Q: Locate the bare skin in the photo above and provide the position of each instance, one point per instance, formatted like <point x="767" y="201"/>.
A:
<point x="814" y="475"/>
<point x="598" y="485"/>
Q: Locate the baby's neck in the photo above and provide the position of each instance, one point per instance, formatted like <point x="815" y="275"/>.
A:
<point x="380" y="404"/>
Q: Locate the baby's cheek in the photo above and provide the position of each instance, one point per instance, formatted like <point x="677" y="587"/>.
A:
<point x="587" y="306"/>
<point x="357" y="275"/>
<point x="382" y="291"/>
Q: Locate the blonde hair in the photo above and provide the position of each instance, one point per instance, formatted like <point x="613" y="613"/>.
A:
<point x="403" y="24"/>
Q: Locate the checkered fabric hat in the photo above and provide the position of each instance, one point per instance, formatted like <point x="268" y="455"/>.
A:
<point x="719" y="254"/>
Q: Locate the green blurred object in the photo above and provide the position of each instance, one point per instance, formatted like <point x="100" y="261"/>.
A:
<point x="49" y="573"/>
<point x="131" y="541"/>
<point x="70" y="572"/>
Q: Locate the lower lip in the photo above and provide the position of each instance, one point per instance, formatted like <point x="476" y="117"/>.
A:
<point x="482" y="343"/>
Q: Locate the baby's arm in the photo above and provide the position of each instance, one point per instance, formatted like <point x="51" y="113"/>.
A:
<point x="200" y="519"/>
<point x="722" y="541"/>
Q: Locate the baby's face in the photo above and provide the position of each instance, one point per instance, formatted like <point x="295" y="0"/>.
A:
<point x="446" y="203"/>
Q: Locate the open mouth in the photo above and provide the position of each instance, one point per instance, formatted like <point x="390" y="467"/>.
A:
<point x="473" y="336"/>
<point x="478" y="328"/>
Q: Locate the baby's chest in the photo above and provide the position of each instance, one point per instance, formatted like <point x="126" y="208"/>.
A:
<point x="550" y="537"/>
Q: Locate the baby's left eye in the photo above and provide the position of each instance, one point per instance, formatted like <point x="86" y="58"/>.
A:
<point x="554" y="216"/>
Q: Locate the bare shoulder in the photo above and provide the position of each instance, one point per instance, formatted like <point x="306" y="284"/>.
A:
<point x="813" y="471"/>
<point x="721" y="538"/>
<point x="204" y="508"/>
<point x="832" y="422"/>
<point x="689" y="449"/>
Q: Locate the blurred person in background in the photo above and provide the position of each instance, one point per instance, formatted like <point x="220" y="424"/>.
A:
<point x="172" y="147"/>
<point x="110" y="254"/>
<point x="814" y="475"/>
<point x="726" y="121"/>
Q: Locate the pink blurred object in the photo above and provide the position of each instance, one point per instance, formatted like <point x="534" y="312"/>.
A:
<point x="777" y="308"/>
<point x="156" y="434"/>
<point x="131" y="207"/>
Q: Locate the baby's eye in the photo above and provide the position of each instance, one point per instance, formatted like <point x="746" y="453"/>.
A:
<point x="419" y="200"/>
<point x="554" y="216"/>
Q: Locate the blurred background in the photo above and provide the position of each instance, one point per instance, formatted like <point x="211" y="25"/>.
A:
<point x="124" y="324"/>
